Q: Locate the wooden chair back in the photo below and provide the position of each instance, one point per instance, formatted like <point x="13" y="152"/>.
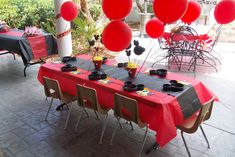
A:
<point x="127" y="109"/>
<point x="52" y="88"/>
<point x="87" y="97"/>
<point x="204" y="114"/>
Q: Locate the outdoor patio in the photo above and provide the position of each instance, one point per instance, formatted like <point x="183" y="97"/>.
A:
<point x="24" y="133"/>
<point x="75" y="72"/>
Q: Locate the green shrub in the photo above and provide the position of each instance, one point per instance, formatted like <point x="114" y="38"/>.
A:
<point x="21" y="13"/>
<point x="95" y="11"/>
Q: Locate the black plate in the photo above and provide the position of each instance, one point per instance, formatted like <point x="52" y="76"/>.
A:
<point x="176" y="89"/>
<point x="93" y="77"/>
<point x="178" y="84"/>
<point x="130" y="88"/>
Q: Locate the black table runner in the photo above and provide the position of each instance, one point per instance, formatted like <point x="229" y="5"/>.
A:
<point x="188" y="99"/>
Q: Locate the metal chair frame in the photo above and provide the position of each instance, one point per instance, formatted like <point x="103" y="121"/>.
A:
<point x="204" y="114"/>
<point x="52" y="89"/>
<point x="83" y="93"/>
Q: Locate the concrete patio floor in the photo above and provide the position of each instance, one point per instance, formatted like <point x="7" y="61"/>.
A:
<point x="24" y="133"/>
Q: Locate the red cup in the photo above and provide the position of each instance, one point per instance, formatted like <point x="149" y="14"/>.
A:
<point x="132" y="72"/>
<point x="97" y="64"/>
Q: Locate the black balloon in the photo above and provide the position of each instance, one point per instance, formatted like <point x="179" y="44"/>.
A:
<point x="96" y="37"/>
<point x="91" y="42"/>
<point x="136" y="43"/>
<point x="128" y="52"/>
<point x="138" y="50"/>
<point x="129" y="46"/>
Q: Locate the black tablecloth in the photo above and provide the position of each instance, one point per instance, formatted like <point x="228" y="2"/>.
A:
<point x="21" y="46"/>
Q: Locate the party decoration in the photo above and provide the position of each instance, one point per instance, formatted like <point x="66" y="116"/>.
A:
<point x="69" y="10"/>
<point x="91" y="42"/>
<point x="225" y="11"/>
<point x="138" y="50"/>
<point x="32" y="31"/>
<point x="169" y="11"/>
<point x="136" y="42"/>
<point x="129" y="46"/>
<point x="128" y="53"/>
<point x="192" y="13"/>
<point x="154" y="28"/>
<point x="116" y="9"/>
<point x="116" y="36"/>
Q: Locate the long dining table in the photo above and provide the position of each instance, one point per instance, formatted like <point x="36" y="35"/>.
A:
<point x="162" y="110"/>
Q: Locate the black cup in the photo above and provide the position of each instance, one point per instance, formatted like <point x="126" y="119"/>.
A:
<point x="176" y="87"/>
<point x="152" y="72"/>
<point x="120" y="65"/>
<point x="173" y="81"/>
<point x="103" y="76"/>
<point x="166" y="87"/>
<point x="162" y="72"/>
<point x="140" y="87"/>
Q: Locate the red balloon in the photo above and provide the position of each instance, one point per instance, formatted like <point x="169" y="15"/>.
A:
<point x="225" y="11"/>
<point x="154" y="28"/>
<point x="169" y="11"/>
<point x="116" y="36"/>
<point x="69" y="10"/>
<point x="192" y="13"/>
<point x="116" y="9"/>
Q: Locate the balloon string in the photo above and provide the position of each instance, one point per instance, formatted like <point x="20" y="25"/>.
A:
<point x="146" y="57"/>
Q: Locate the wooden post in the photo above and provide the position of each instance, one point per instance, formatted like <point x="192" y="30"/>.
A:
<point x="63" y="31"/>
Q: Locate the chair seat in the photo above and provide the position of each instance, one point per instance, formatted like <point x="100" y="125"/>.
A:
<point x="187" y="126"/>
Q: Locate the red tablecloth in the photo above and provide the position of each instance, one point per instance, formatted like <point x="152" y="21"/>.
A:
<point x="161" y="111"/>
<point x="203" y="38"/>
<point x="13" y="32"/>
<point x="38" y="46"/>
